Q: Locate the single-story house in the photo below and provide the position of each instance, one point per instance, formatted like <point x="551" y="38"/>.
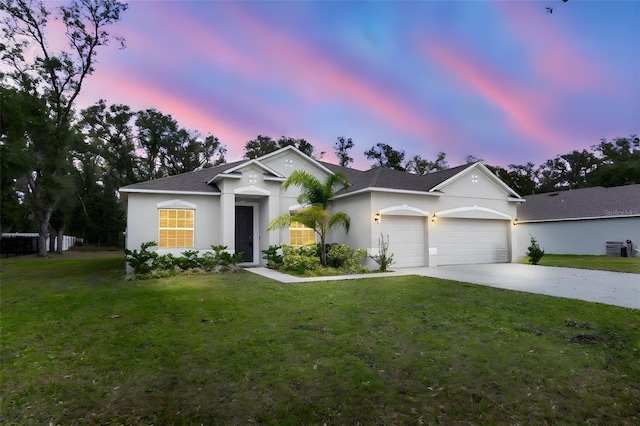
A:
<point x="580" y="221"/>
<point x="457" y="216"/>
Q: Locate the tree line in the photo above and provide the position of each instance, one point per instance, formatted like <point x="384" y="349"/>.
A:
<point x="612" y="162"/>
<point x="60" y="170"/>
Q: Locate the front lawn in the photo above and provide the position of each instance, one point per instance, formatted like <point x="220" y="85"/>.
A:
<point x="603" y="263"/>
<point x="80" y="345"/>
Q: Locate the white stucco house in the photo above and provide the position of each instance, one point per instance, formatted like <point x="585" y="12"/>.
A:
<point x="457" y="216"/>
<point x="580" y="221"/>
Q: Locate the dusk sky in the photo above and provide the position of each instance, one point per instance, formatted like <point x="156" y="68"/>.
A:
<point x="502" y="80"/>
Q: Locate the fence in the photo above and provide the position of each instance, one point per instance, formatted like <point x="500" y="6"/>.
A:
<point x="20" y="244"/>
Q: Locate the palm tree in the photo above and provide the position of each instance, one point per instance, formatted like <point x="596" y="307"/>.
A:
<point x="316" y="197"/>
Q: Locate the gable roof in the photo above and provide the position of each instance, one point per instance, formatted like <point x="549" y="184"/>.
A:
<point x="386" y="178"/>
<point x="483" y="169"/>
<point x="203" y="181"/>
<point x="192" y="182"/>
<point x="584" y="203"/>
<point x="378" y="178"/>
<point x="241" y="165"/>
<point x="280" y="151"/>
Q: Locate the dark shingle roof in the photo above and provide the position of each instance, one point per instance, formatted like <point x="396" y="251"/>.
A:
<point x="195" y="181"/>
<point x="582" y="203"/>
<point x="379" y="177"/>
<point x="383" y="177"/>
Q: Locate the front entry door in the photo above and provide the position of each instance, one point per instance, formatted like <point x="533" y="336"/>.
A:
<point x="244" y="232"/>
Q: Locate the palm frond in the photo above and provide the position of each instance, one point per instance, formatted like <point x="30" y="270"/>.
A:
<point x="312" y="216"/>
<point x="300" y="178"/>
<point x="340" y="219"/>
<point x="280" y="222"/>
<point x="312" y="190"/>
<point x="335" y="180"/>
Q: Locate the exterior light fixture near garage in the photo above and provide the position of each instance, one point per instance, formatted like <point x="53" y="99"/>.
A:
<point x="376" y="217"/>
<point x="515" y="222"/>
<point x="434" y="218"/>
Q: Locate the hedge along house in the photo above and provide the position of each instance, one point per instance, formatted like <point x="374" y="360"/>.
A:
<point x="456" y="216"/>
<point x="580" y="221"/>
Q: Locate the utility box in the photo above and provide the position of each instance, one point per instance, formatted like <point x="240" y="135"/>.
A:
<point x="614" y="248"/>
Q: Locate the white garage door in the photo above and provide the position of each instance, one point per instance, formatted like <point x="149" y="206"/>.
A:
<point x="472" y="241"/>
<point x="406" y="239"/>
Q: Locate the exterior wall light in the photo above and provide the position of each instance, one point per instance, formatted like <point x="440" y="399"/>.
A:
<point x="376" y="217"/>
<point x="434" y="218"/>
<point x="515" y="222"/>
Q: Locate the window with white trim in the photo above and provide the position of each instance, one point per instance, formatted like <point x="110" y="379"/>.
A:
<point x="300" y="235"/>
<point x="175" y="228"/>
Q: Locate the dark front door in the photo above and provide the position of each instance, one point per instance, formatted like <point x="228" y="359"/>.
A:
<point x="244" y="232"/>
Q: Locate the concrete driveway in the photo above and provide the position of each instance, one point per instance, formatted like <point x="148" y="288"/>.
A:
<point x="611" y="288"/>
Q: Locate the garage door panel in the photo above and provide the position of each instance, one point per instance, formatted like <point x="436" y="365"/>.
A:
<point x="406" y="239"/>
<point x="472" y="241"/>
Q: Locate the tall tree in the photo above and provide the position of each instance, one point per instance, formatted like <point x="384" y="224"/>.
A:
<point x="170" y="149"/>
<point x="57" y="79"/>
<point x="619" y="162"/>
<point x="110" y="130"/>
<point x="520" y="178"/>
<point x="301" y="144"/>
<point x="155" y="133"/>
<point x="316" y="196"/>
<point x="471" y="159"/>
<point x="422" y="166"/>
<point x="263" y="145"/>
<point x="578" y="165"/>
<point x="16" y="114"/>
<point x="342" y="148"/>
<point x="551" y="175"/>
<point x="98" y="215"/>
<point x="214" y="152"/>
<point x="384" y="155"/>
<point x="188" y="152"/>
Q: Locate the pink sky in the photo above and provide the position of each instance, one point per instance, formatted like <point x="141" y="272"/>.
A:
<point x="504" y="81"/>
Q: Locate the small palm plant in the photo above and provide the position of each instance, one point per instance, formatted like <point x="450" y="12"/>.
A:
<point x="316" y="196"/>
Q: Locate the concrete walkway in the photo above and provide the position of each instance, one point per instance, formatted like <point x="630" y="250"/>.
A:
<point x="611" y="288"/>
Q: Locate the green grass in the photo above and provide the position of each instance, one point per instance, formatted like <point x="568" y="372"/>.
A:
<point x="82" y="346"/>
<point x="603" y="263"/>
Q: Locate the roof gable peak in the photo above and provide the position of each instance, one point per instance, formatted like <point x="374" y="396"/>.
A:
<point x="479" y="166"/>
<point x="297" y="152"/>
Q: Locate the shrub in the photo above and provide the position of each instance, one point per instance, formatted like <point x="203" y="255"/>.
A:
<point x="534" y="252"/>
<point x="220" y="259"/>
<point x="300" y="259"/>
<point x="188" y="260"/>
<point x="338" y="256"/>
<point x="229" y="262"/>
<point x="383" y="258"/>
<point x="346" y="259"/>
<point x="166" y="262"/>
<point x="141" y="261"/>
<point x="273" y="256"/>
<point x="148" y="264"/>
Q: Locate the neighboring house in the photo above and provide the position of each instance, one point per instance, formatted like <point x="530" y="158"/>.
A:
<point x="456" y="216"/>
<point x="580" y="221"/>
